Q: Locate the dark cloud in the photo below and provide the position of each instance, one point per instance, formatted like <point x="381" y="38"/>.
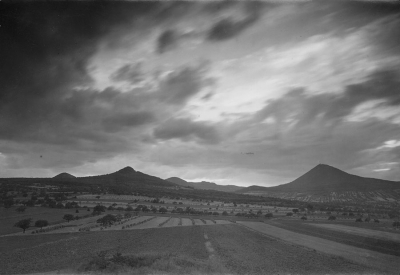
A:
<point x="228" y="28"/>
<point x="186" y="130"/>
<point x="45" y="51"/>
<point x="117" y="121"/>
<point x="131" y="73"/>
<point x="166" y="40"/>
<point x="181" y="85"/>
<point x="332" y="108"/>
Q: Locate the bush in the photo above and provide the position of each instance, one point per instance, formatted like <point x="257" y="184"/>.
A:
<point x="304" y="218"/>
<point x="225" y="213"/>
<point x="289" y="214"/>
<point x="41" y="223"/>
<point x="21" y="209"/>
<point x="99" y="208"/>
<point x="107" y="220"/>
<point x="68" y="217"/>
<point x="332" y="218"/>
<point x="359" y="220"/>
<point x="269" y="215"/>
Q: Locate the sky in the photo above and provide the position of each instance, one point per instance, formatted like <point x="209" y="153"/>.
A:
<point x="244" y="93"/>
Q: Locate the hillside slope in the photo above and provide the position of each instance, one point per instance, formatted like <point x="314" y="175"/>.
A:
<point x="325" y="183"/>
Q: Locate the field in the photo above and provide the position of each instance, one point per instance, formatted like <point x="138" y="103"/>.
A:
<point x="8" y="217"/>
<point x="361" y="231"/>
<point x="233" y="248"/>
<point x="378" y="243"/>
<point x="192" y="244"/>
<point x="358" y="255"/>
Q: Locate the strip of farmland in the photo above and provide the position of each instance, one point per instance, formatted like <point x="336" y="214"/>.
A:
<point x="384" y="262"/>
<point x="244" y="251"/>
<point x="375" y="244"/>
<point x="361" y="231"/>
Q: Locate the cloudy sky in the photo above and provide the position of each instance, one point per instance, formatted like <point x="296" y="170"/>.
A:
<point x="231" y="92"/>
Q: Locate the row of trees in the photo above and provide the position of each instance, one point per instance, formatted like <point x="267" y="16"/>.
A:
<point x="26" y="223"/>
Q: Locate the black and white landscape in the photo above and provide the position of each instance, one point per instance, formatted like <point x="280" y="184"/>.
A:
<point x="199" y="137"/>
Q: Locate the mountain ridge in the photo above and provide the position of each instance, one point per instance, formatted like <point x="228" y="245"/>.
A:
<point x="204" y="185"/>
<point x="325" y="182"/>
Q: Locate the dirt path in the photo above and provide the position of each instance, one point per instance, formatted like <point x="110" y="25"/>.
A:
<point x="387" y="263"/>
<point x="361" y="231"/>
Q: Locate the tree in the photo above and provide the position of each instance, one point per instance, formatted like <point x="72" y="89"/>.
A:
<point x="68" y="217"/>
<point x="129" y="208"/>
<point x="289" y="214"/>
<point x="359" y="220"/>
<point x="295" y="210"/>
<point x="269" y="215"/>
<point x="23" y="224"/>
<point x="304" y="218"/>
<point x="100" y="208"/>
<point x="107" y="220"/>
<point x="332" y="218"/>
<point x="163" y="210"/>
<point x="41" y="223"/>
<point x="21" y="209"/>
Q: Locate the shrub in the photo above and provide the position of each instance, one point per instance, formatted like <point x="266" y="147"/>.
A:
<point x="359" y="220"/>
<point x="100" y="208"/>
<point x="269" y="215"/>
<point x="225" y="213"/>
<point x="107" y="220"/>
<point x="41" y="223"/>
<point x="21" y="209"/>
<point x="332" y="218"/>
<point x="304" y="218"/>
<point x="376" y="220"/>
<point x="68" y="217"/>
<point x="163" y="210"/>
<point x="289" y="214"/>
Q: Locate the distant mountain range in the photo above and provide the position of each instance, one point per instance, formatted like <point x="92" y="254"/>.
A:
<point x="204" y="185"/>
<point x="325" y="183"/>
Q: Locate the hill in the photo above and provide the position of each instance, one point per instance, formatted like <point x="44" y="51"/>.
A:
<point x="64" y="176"/>
<point x="325" y="183"/>
<point x="204" y="185"/>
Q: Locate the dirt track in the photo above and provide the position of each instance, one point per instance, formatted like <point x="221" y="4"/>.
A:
<point x="384" y="262"/>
